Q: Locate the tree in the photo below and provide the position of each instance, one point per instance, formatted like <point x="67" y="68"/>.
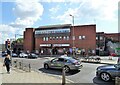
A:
<point x="19" y="40"/>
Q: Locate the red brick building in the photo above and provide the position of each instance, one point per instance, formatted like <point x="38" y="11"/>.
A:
<point x="101" y="37"/>
<point x="113" y="36"/>
<point x="60" y="38"/>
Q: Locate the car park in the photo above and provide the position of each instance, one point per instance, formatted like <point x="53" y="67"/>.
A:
<point x="68" y="63"/>
<point x="23" y="55"/>
<point x="113" y="54"/>
<point x="108" y="72"/>
<point x="14" y="55"/>
<point x="32" y="55"/>
<point x="4" y="53"/>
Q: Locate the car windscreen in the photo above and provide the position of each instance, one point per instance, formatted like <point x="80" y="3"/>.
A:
<point x="117" y="65"/>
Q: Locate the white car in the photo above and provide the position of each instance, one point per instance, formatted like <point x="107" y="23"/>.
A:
<point x="23" y="55"/>
<point x="14" y="55"/>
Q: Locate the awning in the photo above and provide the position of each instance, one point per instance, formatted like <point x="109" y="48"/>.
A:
<point x="61" y="45"/>
<point x="45" y="45"/>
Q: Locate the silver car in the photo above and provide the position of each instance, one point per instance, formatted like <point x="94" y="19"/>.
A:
<point x="108" y="72"/>
<point x="68" y="63"/>
<point x="23" y="55"/>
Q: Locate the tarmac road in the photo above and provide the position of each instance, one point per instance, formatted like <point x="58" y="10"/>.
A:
<point x="86" y="75"/>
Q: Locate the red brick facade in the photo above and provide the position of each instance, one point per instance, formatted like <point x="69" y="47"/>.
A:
<point x="85" y="38"/>
<point x="113" y="36"/>
<point x="29" y="39"/>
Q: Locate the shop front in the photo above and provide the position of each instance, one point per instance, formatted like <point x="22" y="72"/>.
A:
<point x="53" y="49"/>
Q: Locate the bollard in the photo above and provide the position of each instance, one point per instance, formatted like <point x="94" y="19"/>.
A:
<point x="117" y="81"/>
<point x="24" y="68"/>
<point x="29" y="68"/>
<point x="63" y="77"/>
<point x="20" y="65"/>
<point x="15" y="62"/>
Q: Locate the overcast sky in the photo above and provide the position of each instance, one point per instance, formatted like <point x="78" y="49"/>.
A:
<point x="16" y="15"/>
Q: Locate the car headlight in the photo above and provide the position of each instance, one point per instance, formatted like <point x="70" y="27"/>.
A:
<point x="98" y="69"/>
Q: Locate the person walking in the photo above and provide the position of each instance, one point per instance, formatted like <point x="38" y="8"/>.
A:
<point x="7" y="62"/>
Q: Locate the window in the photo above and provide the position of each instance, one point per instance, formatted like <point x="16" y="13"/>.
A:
<point x="80" y="37"/>
<point x="83" y="37"/>
<point x="43" y="38"/>
<point x="73" y="37"/>
<point x="60" y="60"/>
<point x="60" y="37"/>
<point x="46" y="38"/>
<point x="101" y="38"/>
<point x="67" y="37"/>
<point x="96" y="38"/>
<point x="50" y="38"/>
<point x="64" y="38"/>
<point x="53" y="38"/>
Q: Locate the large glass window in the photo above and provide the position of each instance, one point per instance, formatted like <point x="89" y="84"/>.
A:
<point x="64" y="30"/>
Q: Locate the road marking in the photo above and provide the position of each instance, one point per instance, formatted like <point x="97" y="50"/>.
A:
<point x="56" y="76"/>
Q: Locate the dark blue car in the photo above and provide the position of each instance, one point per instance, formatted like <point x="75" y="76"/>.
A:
<point x="108" y="72"/>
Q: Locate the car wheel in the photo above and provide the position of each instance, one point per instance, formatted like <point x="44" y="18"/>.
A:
<point x="46" y="66"/>
<point x="105" y="76"/>
<point x="67" y="69"/>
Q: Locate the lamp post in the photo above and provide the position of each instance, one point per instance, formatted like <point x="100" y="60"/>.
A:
<point x="16" y="35"/>
<point x="73" y="35"/>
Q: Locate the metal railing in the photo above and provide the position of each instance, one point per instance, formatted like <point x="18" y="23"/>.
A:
<point x="22" y="66"/>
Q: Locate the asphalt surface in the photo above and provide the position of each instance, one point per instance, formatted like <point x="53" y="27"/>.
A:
<point x="86" y="75"/>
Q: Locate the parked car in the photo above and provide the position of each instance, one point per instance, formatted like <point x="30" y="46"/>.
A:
<point x="23" y="55"/>
<point x="14" y="55"/>
<point x="32" y="55"/>
<point x="108" y="72"/>
<point x="68" y="63"/>
<point x="4" y="53"/>
<point x="113" y="54"/>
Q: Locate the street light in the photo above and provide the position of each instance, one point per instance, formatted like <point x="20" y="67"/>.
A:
<point x="73" y="36"/>
<point x="18" y="35"/>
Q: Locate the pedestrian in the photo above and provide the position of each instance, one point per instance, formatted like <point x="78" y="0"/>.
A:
<point x="65" y="55"/>
<point x="7" y="62"/>
<point x="118" y="60"/>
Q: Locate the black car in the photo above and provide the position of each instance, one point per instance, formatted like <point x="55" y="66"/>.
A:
<point x="108" y="72"/>
<point x="32" y="55"/>
<point x="4" y="53"/>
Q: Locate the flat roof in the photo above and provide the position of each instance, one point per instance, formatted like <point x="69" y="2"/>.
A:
<point x="54" y="26"/>
<point x="60" y="26"/>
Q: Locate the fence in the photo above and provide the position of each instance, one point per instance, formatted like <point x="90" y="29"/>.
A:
<point x="20" y="65"/>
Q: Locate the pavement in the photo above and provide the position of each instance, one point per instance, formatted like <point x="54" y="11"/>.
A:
<point x="19" y="76"/>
